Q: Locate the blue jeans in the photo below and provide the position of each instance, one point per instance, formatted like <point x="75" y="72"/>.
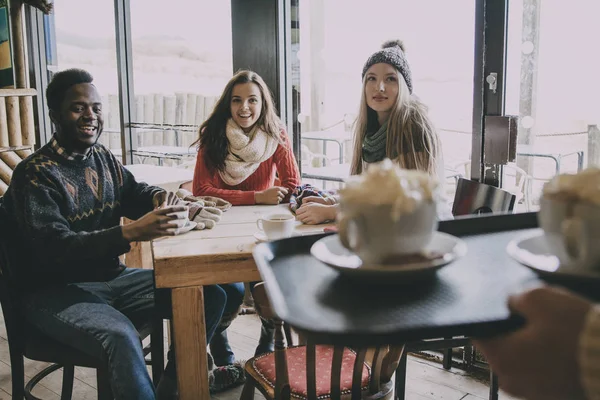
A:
<point x="219" y="345"/>
<point x="98" y="318"/>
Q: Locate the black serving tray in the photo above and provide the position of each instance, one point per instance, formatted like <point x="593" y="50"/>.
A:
<point x="466" y="298"/>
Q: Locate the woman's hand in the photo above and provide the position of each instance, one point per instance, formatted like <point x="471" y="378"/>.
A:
<point x="272" y="195"/>
<point x="315" y="213"/>
<point x="540" y="361"/>
<point x="328" y="201"/>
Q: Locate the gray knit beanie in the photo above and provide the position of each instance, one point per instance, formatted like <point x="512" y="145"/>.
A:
<point x="392" y="52"/>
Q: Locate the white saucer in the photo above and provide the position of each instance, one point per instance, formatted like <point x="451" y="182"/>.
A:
<point x="533" y="251"/>
<point x="261" y="237"/>
<point x="186" y="228"/>
<point x="443" y="249"/>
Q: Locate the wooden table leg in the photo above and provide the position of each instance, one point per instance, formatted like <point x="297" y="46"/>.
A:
<point x="140" y="255"/>
<point x="190" y="343"/>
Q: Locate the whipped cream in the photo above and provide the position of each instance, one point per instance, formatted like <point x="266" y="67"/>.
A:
<point x="583" y="186"/>
<point x="385" y="183"/>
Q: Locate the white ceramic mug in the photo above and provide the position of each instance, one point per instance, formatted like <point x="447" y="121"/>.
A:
<point x="277" y="226"/>
<point x="372" y="233"/>
<point x="572" y="231"/>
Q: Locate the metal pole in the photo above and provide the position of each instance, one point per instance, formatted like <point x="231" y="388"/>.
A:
<point x="125" y="76"/>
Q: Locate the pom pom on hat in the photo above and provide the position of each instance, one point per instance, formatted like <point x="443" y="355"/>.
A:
<point x="393" y="43"/>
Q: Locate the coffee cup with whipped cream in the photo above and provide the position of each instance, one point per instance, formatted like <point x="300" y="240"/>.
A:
<point x="387" y="212"/>
<point x="570" y="217"/>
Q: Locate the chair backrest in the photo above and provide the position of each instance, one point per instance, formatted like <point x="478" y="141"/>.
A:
<point x="512" y="171"/>
<point x="478" y="198"/>
<point x="383" y="360"/>
<point x="522" y="183"/>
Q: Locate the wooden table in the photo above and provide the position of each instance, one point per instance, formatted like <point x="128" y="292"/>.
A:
<point x="187" y="262"/>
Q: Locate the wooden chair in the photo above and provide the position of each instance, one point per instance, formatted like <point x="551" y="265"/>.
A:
<point x="515" y="180"/>
<point x="24" y="340"/>
<point x="313" y="371"/>
<point x="473" y="197"/>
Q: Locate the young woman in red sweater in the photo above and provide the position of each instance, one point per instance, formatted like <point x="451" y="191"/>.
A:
<point x="243" y="146"/>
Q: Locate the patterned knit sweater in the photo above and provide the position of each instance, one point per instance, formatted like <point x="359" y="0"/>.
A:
<point x="207" y="181"/>
<point x="68" y="215"/>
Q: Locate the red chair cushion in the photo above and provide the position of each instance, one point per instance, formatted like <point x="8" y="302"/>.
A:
<point x="264" y="366"/>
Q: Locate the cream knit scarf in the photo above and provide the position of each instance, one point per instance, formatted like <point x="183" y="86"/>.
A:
<point x="246" y="152"/>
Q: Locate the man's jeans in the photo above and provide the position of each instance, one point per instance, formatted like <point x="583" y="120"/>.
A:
<point x="96" y="318"/>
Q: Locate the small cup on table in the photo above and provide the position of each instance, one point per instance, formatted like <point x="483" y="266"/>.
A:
<point x="277" y="226"/>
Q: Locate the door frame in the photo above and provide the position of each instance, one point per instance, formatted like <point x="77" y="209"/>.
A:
<point x="491" y="37"/>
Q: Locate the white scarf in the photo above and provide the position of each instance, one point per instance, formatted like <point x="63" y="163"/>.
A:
<point x="246" y="152"/>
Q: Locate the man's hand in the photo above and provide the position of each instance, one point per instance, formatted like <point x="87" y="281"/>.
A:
<point x="272" y="195"/>
<point x="328" y="201"/>
<point x="165" y="199"/>
<point x="540" y="361"/>
<point x="315" y="213"/>
<point x="152" y="225"/>
<point x="159" y="199"/>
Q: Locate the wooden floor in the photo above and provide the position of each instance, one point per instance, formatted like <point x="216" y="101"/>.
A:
<point x="425" y="380"/>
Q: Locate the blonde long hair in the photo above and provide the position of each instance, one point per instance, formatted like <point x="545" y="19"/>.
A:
<point x="410" y="133"/>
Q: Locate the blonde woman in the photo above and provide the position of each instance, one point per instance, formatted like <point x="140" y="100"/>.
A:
<point x="392" y="122"/>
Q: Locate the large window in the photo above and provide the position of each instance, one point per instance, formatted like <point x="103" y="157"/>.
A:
<point x="181" y="63"/>
<point x="181" y="57"/>
<point x="548" y="50"/>
<point x="552" y="85"/>
<point x="79" y="44"/>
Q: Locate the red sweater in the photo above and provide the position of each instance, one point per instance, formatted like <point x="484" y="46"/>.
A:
<point x="208" y="182"/>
